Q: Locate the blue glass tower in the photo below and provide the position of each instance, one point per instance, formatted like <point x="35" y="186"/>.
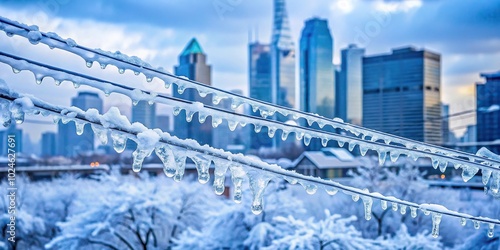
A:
<point x="317" y="83"/>
<point x="349" y="94"/>
<point x="488" y="123"/>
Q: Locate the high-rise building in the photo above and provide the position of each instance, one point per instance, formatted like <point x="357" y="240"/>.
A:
<point x="349" y="95"/>
<point x="282" y="58"/>
<point x="48" y="144"/>
<point x="401" y="94"/>
<point x="445" y="121"/>
<point x="317" y="83"/>
<point x="488" y="120"/>
<point x="163" y="122"/>
<point x="193" y="65"/>
<point x="14" y="132"/>
<point x="68" y="142"/>
<point x="259" y="70"/>
<point x="145" y="114"/>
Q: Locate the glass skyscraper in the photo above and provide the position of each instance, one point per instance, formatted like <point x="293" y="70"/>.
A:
<point x="282" y="58"/>
<point x="193" y="65"/>
<point x="401" y="94"/>
<point x="349" y="91"/>
<point x="488" y="123"/>
<point x="317" y="83"/>
<point x="68" y="142"/>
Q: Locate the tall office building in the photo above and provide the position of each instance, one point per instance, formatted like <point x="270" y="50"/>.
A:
<point x="192" y="64"/>
<point x="17" y="134"/>
<point x="445" y="112"/>
<point x="401" y="94"/>
<point x="145" y="114"/>
<point x="317" y="83"/>
<point x="68" y="142"/>
<point x="282" y="58"/>
<point x="259" y="70"/>
<point x="349" y="94"/>
<point x="488" y="123"/>
<point x="48" y="144"/>
<point x="163" y="123"/>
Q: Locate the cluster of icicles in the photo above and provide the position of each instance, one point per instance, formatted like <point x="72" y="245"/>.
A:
<point x="174" y="157"/>
<point x="441" y="157"/>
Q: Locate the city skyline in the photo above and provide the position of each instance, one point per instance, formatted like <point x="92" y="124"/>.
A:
<point x="461" y="61"/>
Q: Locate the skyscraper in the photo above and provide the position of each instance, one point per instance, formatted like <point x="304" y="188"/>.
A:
<point x="48" y="144"/>
<point x="144" y="113"/>
<point x="445" y="122"/>
<point x="282" y="58"/>
<point x="192" y="64"/>
<point x="488" y="120"/>
<point x="401" y="94"/>
<point x="317" y="83"/>
<point x="17" y="133"/>
<point x="259" y="69"/>
<point x="349" y="95"/>
<point x="68" y="142"/>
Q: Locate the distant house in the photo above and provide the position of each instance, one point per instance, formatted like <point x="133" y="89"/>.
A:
<point x="328" y="163"/>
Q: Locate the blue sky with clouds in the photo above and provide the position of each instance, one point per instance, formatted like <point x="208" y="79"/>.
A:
<point x="466" y="33"/>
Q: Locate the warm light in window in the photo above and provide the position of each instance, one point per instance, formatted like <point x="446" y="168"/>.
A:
<point x="443" y="176"/>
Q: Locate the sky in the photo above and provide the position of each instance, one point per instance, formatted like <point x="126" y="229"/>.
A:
<point x="466" y="33"/>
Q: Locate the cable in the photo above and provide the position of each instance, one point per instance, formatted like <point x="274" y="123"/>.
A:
<point x="243" y="160"/>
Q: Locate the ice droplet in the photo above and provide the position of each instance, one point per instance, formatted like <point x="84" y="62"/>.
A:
<point x="436" y="220"/>
<point x="216" y="121"/>
<point x="324" y="142"/>
<point x="101" y="133"/>
<point x="88" y="64"/>
<point x="237" y="174"/>
<point x="468" y="172"/>
<point x="331" y="190"/>
<point x="202" y="166"/>
<point x="121" y="70"/>
<point x="177" y="110"/>
<point x="103" y="65"/>
<point x="16" y="71"/>
<point x="165" y="155"/>
<point x="258" y="183"/>
<point x="486" y="175"/>
<point x="189" y="116"/>
<point x="341" y="143"/>
<point x="394" y="155"/>
<point x="351" y="146"/>
<point x="363" y="150"/>
<point x="299" y="135"/>
<point x="79" y="127"/>
<point x="355" y="197"/>
<point x="16" y="112"/>
<point x="442" y="166"/>
<point x="413" y="212"/>
<point x="491" y="228"/>
<point x="216" y="99"/>
<point x="119" y="141"/>
<point x="476" y="224"/>
<point x="291" y="180"/>
<point x="271" y="131"/>
<point x="181" y="88"/>
<point x="220" y="176"/>
<point x="367" y="204"/>
<point x="307" y="139"/>
<point x="394" y="206"/>
<point x="284" y="135"/>
<point x="180" y="163"/>
<point x="236" y="102"/>
<point x="383" y="204"/>
<point x="309" y="187"/>
<point x="381" y="157"/>
<point x="463" y="221"/>
<point x="232" y="125"/>
<point x="495" y="183"/>
<point x="435" y="163"/>
<point x="257" y="128"/>
<point x="402" y="209"/>
<point x="202" y="117"/>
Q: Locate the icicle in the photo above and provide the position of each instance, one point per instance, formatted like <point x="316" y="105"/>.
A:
<point x="236" y="102"/>
<point x="468" y="172"/>
<point x="457" y="166"/>
<point x="321" y="124"/>
<point x="139" y="155"/>
<point x="463" y="222"/>
<point x="324" y="142"/>
<point x="309" y="187"/>
<point x="136" y="73"/>
<point x="189" y="116"/>
<point x="435" y="163"/>
<point x="310" y="122"/>
<point x="103" y="65"/>
<point x="291" y="180"/>
<point x="413" y="212"/>
<point x="258" y="182"/>
<point x="284" y="135"/>
<point x="394" y="155"/>
<point x="486" y="175"/>
<point x="394" y="206"/>
<point x="180" y="162"/>
<point x="202" y="117"/>
<point x="255" y="108"/>
<point x="351" y="146"/>
<point x="15" y="71"/>
<point x="243" y="124"/>
<point x="17" y="113"/>
<point x="426" y="212"/>
<point x="271" y="131"/>
<point x="76" y="85"/>
<point x="363" y="149"/>
<point x="177" y="110"/>
<point x="216" y="99"/>
<point x="121" y="70"/>
<point x="367" y="204"/>
<point x="39" y="79"/>
<point x="299" y="135"/>
<point x="89" y="64"/>
<point x="79" y="127"/>
<point x="491" y="228"/>
<point x="150" y="79"/>
<point x="383" y="204"/>
<point x="202" y="93"/>
<point x="216" y="121"/>
<point x="202" y="166"/>
<point x="237" y="174"/>
<point x="442" y="166"/>
<point x="495" y="183"/>
<point x="107" y="93"/>
<point x="476" y="224"/>
<point x="331" y="190"/>
<point x="341" y="143"/>
<point x="101" y="133"/>
<point x="165" y="155"/>
<point x="257" y="128"/>
<point x="381" y="157"/>
<point x="220" y="175"/>
<point x="181" y="88"/>
<point x="232" y="125"/>
<point x="307" y="139"/>
<point x="436" y="220"/>
<point x="355" y="197"/>
<point x="119" y="141"/>
<point x="402" y="209"/>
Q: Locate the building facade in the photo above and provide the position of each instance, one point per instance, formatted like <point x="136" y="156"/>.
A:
<point x="349" y="95"/>
<point x="282" y="58"/>
<point x="317" y="83"/>
<point x="488" y="123"/>
<point x="193" y="65"/>
<point x="70" y="144"/>
<point x="401" y="94"/>
<point x="48" y="144"/>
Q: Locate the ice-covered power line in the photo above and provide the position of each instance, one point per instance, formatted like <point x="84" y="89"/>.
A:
<point x="234" y="119"/>
<point x="173" y="153"/>
<point x="123" y="62"/>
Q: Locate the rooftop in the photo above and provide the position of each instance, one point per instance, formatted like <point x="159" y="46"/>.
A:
<point x="193" y="47"/>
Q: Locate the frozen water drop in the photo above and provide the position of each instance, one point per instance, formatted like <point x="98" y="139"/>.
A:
<point x="363" y="150"/>
<point x="257" y="128"/>
<point x="180" y="163"/>
<point x="232" y="125"/>
<point x="291" y="180"/>
<point x="121" y="70"/>
<point x="486" y="173"/>
<point x="324" y="142"/>
<point x="16" y="71"/>
<point x="271" y="131"/>
<point x="284" y="135"/>
<point x="383" y="204"/>
<point x="236" y="103"/>
<point x="476" y="224"/>
<point x="394" y="206"/>
<point x="79" y="127"/>
<point x="177" y="110"/>
<point x="88" y="64"/>
<point x="495" y="183"/>
<point x="435" y="163"/>
<point x="258" y="183"/>
<point x="381" y="157"/>
<point x="468" y="172"/>
<point x="307" y="139"/>
<point x="341" y="143"/>
<point x="351" y="146"/>
<point x="436" y="220"/>
<point x="57" y="82"/>
<point x="216" y="99"/>
<point x="76" y="85"/>
<point x="181" y="88"/>
<point x="309" y="187"/>
<point x="101" y="133"/>
<point x="413" y="212"/>
<point x="150" y="79"/>
<point x="216" y="121"/>
<point x="237" y="174"/>
<point x="355" y="197"/>
<point x="442" y="166"/>
<point x="165" y="155"/>
<point x="103" y="65"/>
<point x="367" y="204"/>
<point x="426" y="212"/>
<point x="491" y="228"/>
<point x="189" y="116"/>
<point x="403" y="209"/>
<point x="202" y="117"/>
<point x="299" y="135"/>
<point x="463" y="221"/>
<point x="202" y="166"/>
<point x="119" y="141"/>
<point x="331" y="190"/>
<point x="138" y="158"/>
